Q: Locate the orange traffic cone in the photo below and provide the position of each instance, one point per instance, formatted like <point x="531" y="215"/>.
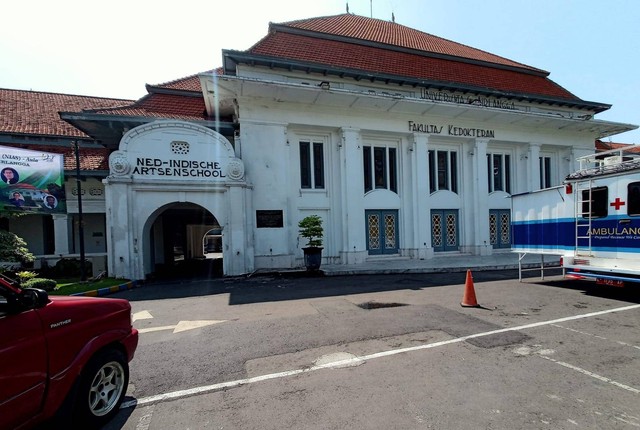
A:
<point x="469" y="298"/>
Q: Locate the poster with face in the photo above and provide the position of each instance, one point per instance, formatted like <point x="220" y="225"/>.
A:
<point x="31" y="181"/>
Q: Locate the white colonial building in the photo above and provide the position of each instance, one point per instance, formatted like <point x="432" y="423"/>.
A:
<point x="405" y="144"/>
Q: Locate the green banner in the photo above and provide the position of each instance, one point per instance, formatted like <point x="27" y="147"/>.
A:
<point x="31" y="181"/>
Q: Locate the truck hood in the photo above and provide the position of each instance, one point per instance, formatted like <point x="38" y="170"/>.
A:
<point x="63" y="311"/>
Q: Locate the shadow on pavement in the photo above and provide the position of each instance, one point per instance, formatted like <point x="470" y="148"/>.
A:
<point x="629" y="293"/>
<point x="295" y="286"/>
<point x="281" y="287"/>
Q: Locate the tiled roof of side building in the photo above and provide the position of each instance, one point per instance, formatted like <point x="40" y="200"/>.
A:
<point x="169" y="104"/>
<point x="90" y="159"/>
<point x="379" y="60"/>
<point x="162" y="105"/>
<point x="391" y="33"/>
<point x="188" y="83"/>
<point x="36" y="113"/>
<point x="608" y="146"/>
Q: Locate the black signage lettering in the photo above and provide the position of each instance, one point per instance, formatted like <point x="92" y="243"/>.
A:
<point x="470" y="132"/>
<point x="452" y="130"/>
<point x="269" y="219"/>
<point x="442" y="96"/>
<point x="424" y="128"/>
<point x="178" y="168"/>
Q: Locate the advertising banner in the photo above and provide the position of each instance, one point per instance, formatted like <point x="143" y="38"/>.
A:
<point x="31" y="181"/>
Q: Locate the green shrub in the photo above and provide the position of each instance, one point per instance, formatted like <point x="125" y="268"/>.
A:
<point x="310" y="227"/>
<point x="42" y="283"/>
<point x="25" y="275"/>
<point x="14" y="248"/>
<point x="70" y="267"/>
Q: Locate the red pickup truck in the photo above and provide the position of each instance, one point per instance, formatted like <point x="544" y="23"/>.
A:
<point x="62" y="358"/>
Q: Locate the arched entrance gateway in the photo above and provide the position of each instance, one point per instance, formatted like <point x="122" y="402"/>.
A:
<point x="176" y="245"/>
<point x="171" y="184"/>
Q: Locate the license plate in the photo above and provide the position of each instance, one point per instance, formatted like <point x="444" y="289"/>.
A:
<point x="610" y="282"/>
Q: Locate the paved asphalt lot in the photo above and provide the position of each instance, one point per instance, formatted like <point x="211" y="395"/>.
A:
<point x="384" y="352"/>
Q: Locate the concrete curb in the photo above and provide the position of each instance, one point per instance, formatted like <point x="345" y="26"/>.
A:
<point x="109" y="290"/>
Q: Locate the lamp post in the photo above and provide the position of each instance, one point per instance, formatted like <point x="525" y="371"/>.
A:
<point x="83" y="275"/>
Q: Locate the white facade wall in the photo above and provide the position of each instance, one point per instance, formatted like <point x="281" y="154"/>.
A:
<point x="274" y="118"/>
<point x="167" y="164"/>
<point x="270" y="133"/>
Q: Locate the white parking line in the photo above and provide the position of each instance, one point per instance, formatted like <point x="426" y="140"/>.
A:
<point x="619" y="342"/>
<point x="215" y="387"/>
<point x="593" y="375"/>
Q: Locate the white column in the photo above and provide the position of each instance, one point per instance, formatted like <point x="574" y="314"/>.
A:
<point x="419" y="153"/>
<point x="533" y="166"/>
<point x="479" y="216"/>
<point x="566" y="164"/>
<point x="353" y="248"/>
<point x="577" y="153"/>
<point x="238" y="258"/>
<point x="121" y="254"/>
<point x="61" y="234"/>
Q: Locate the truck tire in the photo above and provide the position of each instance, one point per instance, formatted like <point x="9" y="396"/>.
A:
<point x="102" y="386"/>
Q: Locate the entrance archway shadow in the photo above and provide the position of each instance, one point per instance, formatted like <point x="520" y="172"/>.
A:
<point x="194" y="268"/>
<point x="174" y="243"/>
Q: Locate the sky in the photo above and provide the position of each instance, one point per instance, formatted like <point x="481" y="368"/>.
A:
<point x="113" y="49"/>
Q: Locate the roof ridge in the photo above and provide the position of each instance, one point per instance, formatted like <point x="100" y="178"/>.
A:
<point x="184" y="78"/>
<point x="66" y="94"/>
<point x="322" y="25"/>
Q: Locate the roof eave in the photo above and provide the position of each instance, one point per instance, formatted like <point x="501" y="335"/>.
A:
<point x="233" y="58"/>
<point x="18" y="138"/>
<point x="109" y="129"/>
<point x="172" y="91"/>
<point x="87" y="173"/>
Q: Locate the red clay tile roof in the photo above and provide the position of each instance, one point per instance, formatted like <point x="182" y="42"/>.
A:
<point x="379" y="47"/>
<point x="36" y="113"/>
<point x="188" y="83"/>
<point x="382" y="61"/>
<point x="90" y="159"/>
<point x="162" y="105"/>
<point x="390" y="33"/>
<point x="607" y="146"/>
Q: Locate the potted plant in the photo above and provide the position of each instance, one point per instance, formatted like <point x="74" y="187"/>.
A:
<point x="310" y="227"/>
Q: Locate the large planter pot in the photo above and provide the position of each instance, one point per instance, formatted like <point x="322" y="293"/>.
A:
<point x="312" y="257"/>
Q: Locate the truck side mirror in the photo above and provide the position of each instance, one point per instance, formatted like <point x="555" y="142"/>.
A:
<point x="33" y="298"/>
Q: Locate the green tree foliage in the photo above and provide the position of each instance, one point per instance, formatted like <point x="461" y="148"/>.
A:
<point x="14" y="248"/>
<point x="311" y="229"/>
